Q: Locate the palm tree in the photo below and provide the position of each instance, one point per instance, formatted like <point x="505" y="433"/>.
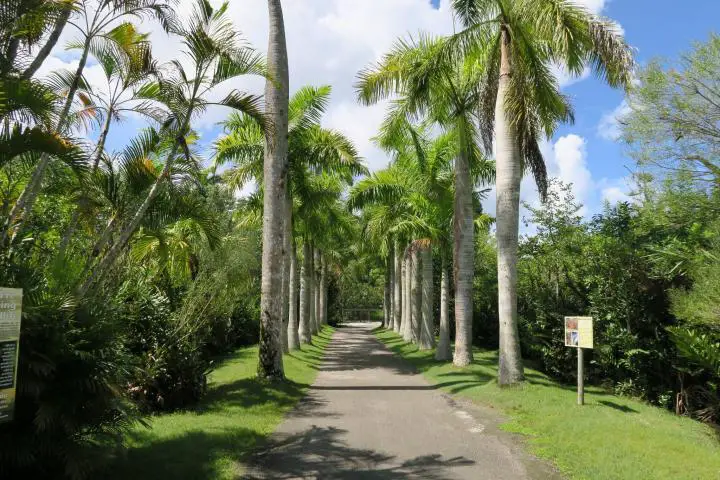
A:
<point x="432" y="84"/>
<point x="125" y="68"/>
<point x="517" y="43"/>
<point x="277" y="93"/>
<point x="215" y="56"/>
<point x="100" y="31"/>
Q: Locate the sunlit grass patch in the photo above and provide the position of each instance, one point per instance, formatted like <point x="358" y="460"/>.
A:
<point x="212" y="441"/>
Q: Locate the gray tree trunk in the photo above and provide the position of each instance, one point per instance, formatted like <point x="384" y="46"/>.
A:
<point x="508" y="176"/>
<point x="415" y="295"/>
<point x="407" y="308"/>
<point x="292" y="330"/>
<point x="323" y="290"/>
<point x="270" y="364"/>
<point x="443" y="351"/>
<point x="49" y="44"/>
<point x="427" y="330"/>
<point x="311" y="291"/>
<point x="387" y="297"/>
<point x="463" y="255"/>
<point x="397" y="297"/>
<point x="287" y="252"/>
<point x="318" y="310"/>
<point x="285" y="299"/>
<point x="305" y="287"/>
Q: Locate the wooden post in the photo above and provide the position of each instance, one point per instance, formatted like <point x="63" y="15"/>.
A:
<point x="581" y="378"/>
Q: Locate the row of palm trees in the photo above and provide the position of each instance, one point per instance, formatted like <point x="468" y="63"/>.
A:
<point x="321" y="163"/>
<point x="491" y="92"/>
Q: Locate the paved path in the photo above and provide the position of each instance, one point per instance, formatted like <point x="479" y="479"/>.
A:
<point x="369" y="416"/>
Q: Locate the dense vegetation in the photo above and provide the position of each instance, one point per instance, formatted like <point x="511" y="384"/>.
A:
<point x="141" y="266"/>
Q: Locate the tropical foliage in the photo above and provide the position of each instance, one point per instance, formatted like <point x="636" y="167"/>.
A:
<point x="142" y="263"/>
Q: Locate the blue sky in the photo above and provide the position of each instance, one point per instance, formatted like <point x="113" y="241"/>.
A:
<point x="656" y="28"/>
<point x="329" y="41"/>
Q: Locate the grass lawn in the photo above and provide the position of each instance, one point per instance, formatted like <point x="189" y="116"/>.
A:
<point x="212" y="441"/>
<point x="609" y="438"/>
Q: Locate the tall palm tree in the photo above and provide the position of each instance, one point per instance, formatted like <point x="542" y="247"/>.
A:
<point x="432" y="84"/>
<point x="517" y="43"/>
<point x="277" y="94"/>
<point x="216" y="56"/>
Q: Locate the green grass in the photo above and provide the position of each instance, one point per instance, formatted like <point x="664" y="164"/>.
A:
<point x="609" y="438"/>
<point x="212" y="441"/>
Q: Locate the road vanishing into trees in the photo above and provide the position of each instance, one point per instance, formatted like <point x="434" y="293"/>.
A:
<point x="369" y="415"/>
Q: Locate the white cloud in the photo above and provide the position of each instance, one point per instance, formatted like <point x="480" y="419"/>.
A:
<point x="329" y="42"/>
<point x="616" y="190"/>
<point x="609" y="126"/>
<point x="595" y="6"/>
<point x="568" y="163"/>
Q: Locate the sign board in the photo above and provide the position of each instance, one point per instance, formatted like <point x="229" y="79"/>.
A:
<point x="10" y="314"/>
<point x="579" y="332"/>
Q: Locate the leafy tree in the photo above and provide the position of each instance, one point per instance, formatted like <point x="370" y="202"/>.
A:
<point x="669" y="126"/>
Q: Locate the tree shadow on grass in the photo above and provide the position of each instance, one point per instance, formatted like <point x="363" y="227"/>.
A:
<point x="196" y="455"/>
<point x="322" y="453"/>
<point x="248" y="392"/>
<point x="617" y="406"/>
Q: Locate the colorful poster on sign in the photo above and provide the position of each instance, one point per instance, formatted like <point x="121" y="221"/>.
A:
<point x="579" y="332"/>
<point x="10" y="317"/>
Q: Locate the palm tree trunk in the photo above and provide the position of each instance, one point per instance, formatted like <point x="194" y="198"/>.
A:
<point x="49" y="44"/>
<point x="387" y="300"/>
<point x="287" y="252"/>
<point x="316" y="282"/>
<point x="407" y="307"/>
<point x="275" y="187"/>
<point x="415" y="295"/>
<point x="427" y="330"/>
<point x="323" y="290"/>
<point x="508" y="176"/>
<point x="443" y="350"/>
<point x="463" y="255"/>
<point x="304" y="327"/>
<point x="311" y="291"/>
<point x="292" y="329"/>
<point x="25" y="202"/>
<point x="285" y="303"/>
<point x="397" y="298"/>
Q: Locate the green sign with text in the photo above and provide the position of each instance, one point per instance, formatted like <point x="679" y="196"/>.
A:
<point x="10" y="317"/>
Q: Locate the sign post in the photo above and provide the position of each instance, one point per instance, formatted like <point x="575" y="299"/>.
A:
<point x="10" y="317"/>
<point x="579" y="334"/>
